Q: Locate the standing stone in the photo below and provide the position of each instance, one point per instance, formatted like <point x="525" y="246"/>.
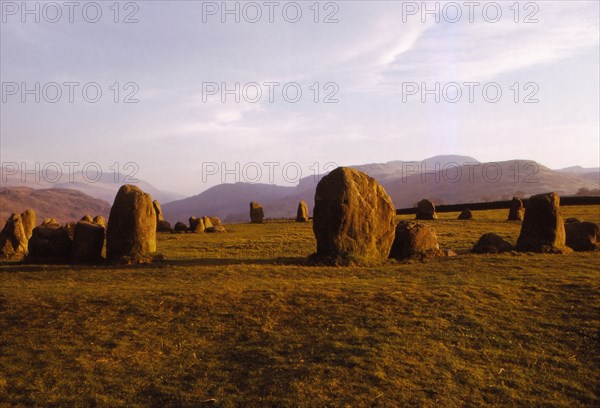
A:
<point x="196" y="225"/>
<point x="99" y="220"/>
<point x="426" y="210"/>
<point x="13" y="238"/>
<point x="158" y="209"/>
<point x="302" y="213"/>
<point x="353" y="219"/>
<point x="88" y="241"/>
<point x="207" y="222"/>
<point x="180" y="227"/>
<point x="257" y="214"/>
<point x="131" y="232"/>
<point x="465" y="214"/>
<point x="49" y="243"/>
<point x="516" y="210"/>
<point x="215" y="221"/>
<point x="414" y="239"/>
<point x="163" y="226"/>
<point x="491" y="243"/>
<point x="543" y="229"/>
<point x="28" y="219"/>
<point x="87" y="218"/>
<point x="583" y="236"/>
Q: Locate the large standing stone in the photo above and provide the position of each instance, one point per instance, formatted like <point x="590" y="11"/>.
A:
<point x="88" y="241"/>
<point x="158" y="209"/>
<point x="13" y="238"/>
<point x="426" y="210"/>
<point x="257" y="214"/>
<point x="49" y="243"/>
<point x="583" y="236"/>
<point x="196" y="224"/>
<point x="28" y="219"/>
<point x="516" y="210"/>
<point x="131" y="232"/>
<point x="491" y="243"/>
<point x="354" y="219"/>
<point x="543" y="229"/>
<point x="302" y="213"/>
<point x="414" y="239"/>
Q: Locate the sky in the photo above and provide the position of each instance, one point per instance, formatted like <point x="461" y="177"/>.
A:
<point x="512" y="82"/>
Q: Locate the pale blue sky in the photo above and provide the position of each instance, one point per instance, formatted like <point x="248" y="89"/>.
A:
<point x="370" y="53"/>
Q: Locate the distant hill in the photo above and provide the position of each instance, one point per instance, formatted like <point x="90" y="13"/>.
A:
<point x="63" y="204"/>
<point x="404" y="181"/>
<point x="589" y="173"/>
<point x="104" y="189"/>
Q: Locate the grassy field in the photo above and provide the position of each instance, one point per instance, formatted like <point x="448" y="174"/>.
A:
<point x="238" y="319"/>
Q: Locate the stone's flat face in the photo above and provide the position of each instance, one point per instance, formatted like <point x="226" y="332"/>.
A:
<point x="413" y="238"/>
<point x="131" y="228"/>
<point x="353" y="219"/>
<point x="543" y="229"/>
<point x="88" y="241"/>
<point x="491" y="243"/>
<point x="49" y="243"/>
<point x="516" y="210"/>
<point x="302" y="213"/>
<point x="582" y="236"/>
<point x="426" y="210"/>
<point x="13" y="238"/>
<point x="257" y="214"/>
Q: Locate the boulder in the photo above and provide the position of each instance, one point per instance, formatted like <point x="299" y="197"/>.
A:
<point x="543" y="229"/>
<point x="516" y="210"/>
<point x="465" y="214"/>
<point x="99" y="220"/>
<point x="196" y="224"/>
<point x="572" y="219"/>
<point x="158" y="210"/>
<point x="215" y="220"/>
<point x="491" y="243"/>
<point x="302" y="213"/>
<point x="257" y="214"/>
<point x="49" y="243"/>
<point x="87" y="218"/>
<point x="207" y="222"/>
<point x="180" y="227"/>
<point x="88" y="241"/>
<point x="426" y="210"/>
<point x="354" y="219"/>
<point x="131" y="232"/>
<point x="414" y="239"/>
<point x="28" y="219"/>
<point x="13" y="239"/>
<point x="163" y="226"/>
<point x="582" y="236"/>
<point x="215" y="228"/>
<point x="49" y="221"/>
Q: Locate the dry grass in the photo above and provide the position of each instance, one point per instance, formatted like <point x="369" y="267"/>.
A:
<point x="236" y="319"/>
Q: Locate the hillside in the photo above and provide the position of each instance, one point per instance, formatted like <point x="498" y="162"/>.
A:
<point x="63" y="204"/>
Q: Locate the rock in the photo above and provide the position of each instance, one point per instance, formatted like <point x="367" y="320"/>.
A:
<point x="180" y="227"/>
<point x="87" y="218"/>
<point x="465" y="214"/>
<point x="49" y="243"/>
<point x="257" y="214"/>
<point x="49" y="221"/>
<point x="543" y="229"/>
<point x="206" y="221"/>
<point x="215" y="220"/>
<point x="163" y="226"/>
<point x="354" y="219"/>
<point x="414" y="239"/>
<point x="28" y="219"/>
<point x="70" y="227"/>
<point x="302" y="213"/>
<point x="13" y="239"/>
<point x="99" y="220"/>
<point x="491" y="243"/>
<point x="425" y="210"/>
<point x="88" y="241"/>
<point x="572" y="219"/>
<point x="516" y="210"/>
<point x="215" y="228"/>
<point x="582" y="236"/>
<point x="196" y="225"/>
<point x="158" y="210"/>
<point x="131" y="232"/>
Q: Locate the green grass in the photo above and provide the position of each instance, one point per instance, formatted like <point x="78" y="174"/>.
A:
<point x="237" y="319"/>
